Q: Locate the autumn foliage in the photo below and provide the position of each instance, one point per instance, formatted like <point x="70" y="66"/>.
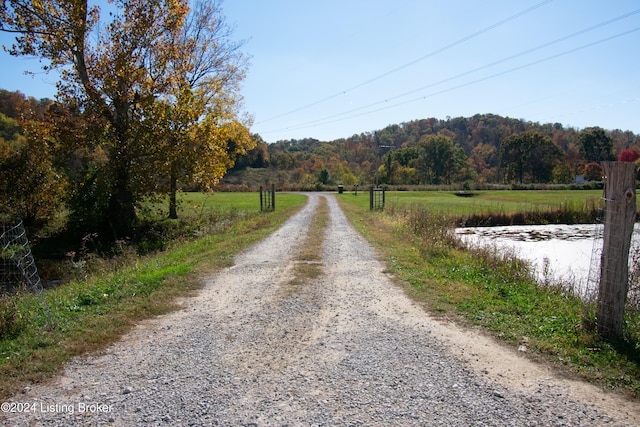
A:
<point x="629" y="156"/>
<point x="477" y="151"/>
<point x="148" y="97"/>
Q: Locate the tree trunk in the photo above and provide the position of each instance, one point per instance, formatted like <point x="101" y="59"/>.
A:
<point x="620" y="195"/>
<point x="121" y="213"/>
<point x="173" y="209"/>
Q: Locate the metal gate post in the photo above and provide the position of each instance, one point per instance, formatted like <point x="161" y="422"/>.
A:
<point x="273" y="197"/>
<point x="371" y="198"/>
<point x="261" y="200"/>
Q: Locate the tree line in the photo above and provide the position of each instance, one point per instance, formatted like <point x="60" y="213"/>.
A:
<point x="483" y="149"/>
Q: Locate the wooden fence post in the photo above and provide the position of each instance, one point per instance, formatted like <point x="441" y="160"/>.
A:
<point x="620" y="195"/>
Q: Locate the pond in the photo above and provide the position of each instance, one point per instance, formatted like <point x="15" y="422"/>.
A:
<point x="559" y="253"/>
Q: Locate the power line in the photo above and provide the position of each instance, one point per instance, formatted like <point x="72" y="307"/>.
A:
<point x="548" y="58"/>
<point x="500" y="61"/>
<point x="415" y="61"/>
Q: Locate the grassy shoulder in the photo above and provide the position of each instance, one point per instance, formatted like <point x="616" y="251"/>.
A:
<point x="43" y="332"/>
<point x="497" y="293"/>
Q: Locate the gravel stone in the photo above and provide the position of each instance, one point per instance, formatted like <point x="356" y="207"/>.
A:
<point x="348" y="348"/>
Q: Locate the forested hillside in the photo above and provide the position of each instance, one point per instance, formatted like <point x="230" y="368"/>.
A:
<point x="472" y="151"/>
<point x="483" y="149"/>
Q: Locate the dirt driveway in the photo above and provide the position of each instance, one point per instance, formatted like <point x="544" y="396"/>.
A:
<point x="347" y="348"/>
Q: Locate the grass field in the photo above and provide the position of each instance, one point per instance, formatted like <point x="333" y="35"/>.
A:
<point x="501" y="201"/>
<point x="482" y="202"/>
<point x="193" y="205"/>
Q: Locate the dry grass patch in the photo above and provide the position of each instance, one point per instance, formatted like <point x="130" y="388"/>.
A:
<point x="308" y="262"/>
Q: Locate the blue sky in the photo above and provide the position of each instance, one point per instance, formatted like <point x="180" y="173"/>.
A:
<point x="333" y="68"/>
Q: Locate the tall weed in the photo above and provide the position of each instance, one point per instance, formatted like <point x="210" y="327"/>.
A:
<point x="11" y="322"/>
<point x="566" y="213"/>
<point x="433" y="230"/>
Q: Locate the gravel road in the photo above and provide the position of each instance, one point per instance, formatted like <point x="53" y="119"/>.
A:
<point x="348" y="348"/>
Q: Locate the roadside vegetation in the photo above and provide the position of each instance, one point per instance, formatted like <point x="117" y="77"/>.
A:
<point x="39" y="333"/>
<point x="96" y="174"/>
<point x="495" y="290"/>
<point x="103" y="295"/>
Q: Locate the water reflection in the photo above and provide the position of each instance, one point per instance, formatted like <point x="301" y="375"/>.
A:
<point x="558" y="253"/>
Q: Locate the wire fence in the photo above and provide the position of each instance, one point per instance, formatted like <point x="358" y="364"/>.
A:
<point x="268" y="198"/>
<point x="376" y="198"/>
<point x="17" y="266"/>
<point x="593" y="281"/>
<point x="633" y="296"/>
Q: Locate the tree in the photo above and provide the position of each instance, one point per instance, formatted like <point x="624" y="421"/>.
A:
<point x="629" y="156"/>
<point x="485" y="160"/>
<point x="119" y="75"/>
<point x="13" y="103"/>
<point x="109" y="81"/>
<point x="440" y="160"/>
<point x="514" y="155"/>
<point x="9" y="128"/>
<point x="10" y="103"/>
<point x="200" y="142"/>
<point x="203" y="133"/>
<point x="257" y="157"/>
<point x="529" y="155"/>
<point x="595" y="145"/>
<point x="323" y="176"/>
<point x="543" y="158"/>
<point x="593" y="172"/>
<point x="389" y="168"/>
<point x="348" y="178"/>
<point x="30" y="187"/>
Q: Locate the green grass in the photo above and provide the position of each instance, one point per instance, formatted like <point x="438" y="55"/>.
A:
<point x="495" y="291"/>
<point x="38" y="334"/>
<point x="194" y="203"/>
<point x="194" y="206"/>
<point x="505" y="201"/>
<point x="505" y="207"/>
<point x="492" y="292"/>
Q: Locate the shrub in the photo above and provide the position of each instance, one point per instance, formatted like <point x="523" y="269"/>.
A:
<point x="11" y="323"/>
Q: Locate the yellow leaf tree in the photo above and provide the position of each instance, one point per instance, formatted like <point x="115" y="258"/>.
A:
<point x="202" y="129"/>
